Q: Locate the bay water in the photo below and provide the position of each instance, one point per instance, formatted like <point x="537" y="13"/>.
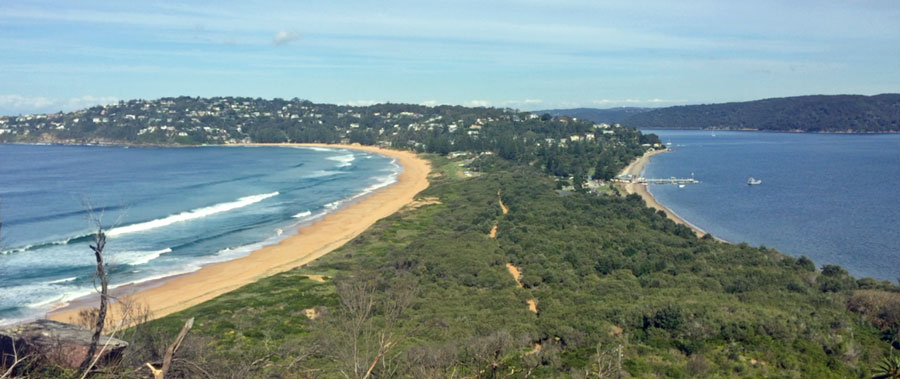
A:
<point x="834" y="198"/>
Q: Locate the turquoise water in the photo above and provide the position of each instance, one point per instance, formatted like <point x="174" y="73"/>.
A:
<point x="832" y="197"/>
<point x="166" y="211"/>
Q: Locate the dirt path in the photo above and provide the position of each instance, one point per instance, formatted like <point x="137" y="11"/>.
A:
<point x="516" y="274"/>
<point x="311" y="313"/>
<point x="500" y="200"/>
<point x="317" y="278"/>
<point x="493" y="233"/>
<point x="536" y="349"/>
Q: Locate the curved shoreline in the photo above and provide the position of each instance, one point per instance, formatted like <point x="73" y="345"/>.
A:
<point x="308" y="244"/>
<point x="635" y="168"/>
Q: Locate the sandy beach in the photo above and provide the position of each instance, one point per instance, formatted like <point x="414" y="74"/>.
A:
<point x="311" y="242"/>
<point x="635" y="169"/>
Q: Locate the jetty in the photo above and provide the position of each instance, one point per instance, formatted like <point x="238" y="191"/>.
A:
<point x="642" y="180"/>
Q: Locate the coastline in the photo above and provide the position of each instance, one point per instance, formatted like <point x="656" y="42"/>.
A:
<point x="635" y="168"/>
<point x="178" y="292"/>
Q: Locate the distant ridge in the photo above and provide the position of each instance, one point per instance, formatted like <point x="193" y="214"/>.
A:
<point x="608" y="116"/>
<point x="818" y="113"/>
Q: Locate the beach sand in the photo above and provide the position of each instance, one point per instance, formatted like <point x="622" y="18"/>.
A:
<point x="311" y="242"/>
<point x="635" y="169"/>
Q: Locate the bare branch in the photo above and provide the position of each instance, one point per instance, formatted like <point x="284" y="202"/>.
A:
<point x="170" y="352"/>
<point x="16" y="361"/>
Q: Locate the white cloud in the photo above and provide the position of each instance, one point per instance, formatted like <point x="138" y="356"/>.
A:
<point x="430" y="103"/>
<point x="479" y="103"/>
<point x="363" y="103"/>
<point x="19" y="101"/>
<point x="18" y="104"/>
<point x="285" y="37"/>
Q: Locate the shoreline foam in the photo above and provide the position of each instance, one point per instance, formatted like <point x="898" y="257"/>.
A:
<point x="636" y="168"/>
<point x="175" y="293"/>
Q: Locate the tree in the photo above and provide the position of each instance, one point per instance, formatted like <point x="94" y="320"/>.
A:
<point x="97" y="247"/>
<point x="363" y="333"/>
<point x="1" y="224"/>
<point x="604" y="170"/>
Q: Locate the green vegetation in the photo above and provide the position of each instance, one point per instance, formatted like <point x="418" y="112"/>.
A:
<point x="608" y="275"/>
<point x="837" y="113"/>
<point x="608" y="287"/>
<point x="565" y="147"/>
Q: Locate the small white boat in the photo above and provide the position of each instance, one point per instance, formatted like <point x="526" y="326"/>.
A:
<point x="752" y="181"/>
<point x="681" y="186"/>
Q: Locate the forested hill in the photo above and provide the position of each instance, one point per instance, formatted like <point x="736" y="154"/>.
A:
<point x="821" y="113"/>
<point x="563" y="146"/>
<point x="607" y="116"/>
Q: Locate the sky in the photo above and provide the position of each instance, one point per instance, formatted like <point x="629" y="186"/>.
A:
<point x="526" y="54"/>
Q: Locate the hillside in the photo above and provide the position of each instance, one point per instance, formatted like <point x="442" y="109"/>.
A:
<point x="526" y="282"/>
<point x="821" y="113"/>
<point x="606" y="116"/>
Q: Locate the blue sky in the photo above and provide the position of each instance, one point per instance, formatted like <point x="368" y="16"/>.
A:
<point x="529" y="54"/>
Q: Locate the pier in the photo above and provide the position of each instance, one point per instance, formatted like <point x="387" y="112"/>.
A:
<point x="666" y="181"/>
<point x="642" y="180"/>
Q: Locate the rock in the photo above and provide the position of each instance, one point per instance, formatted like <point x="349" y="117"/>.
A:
<point x="58" y="343"/>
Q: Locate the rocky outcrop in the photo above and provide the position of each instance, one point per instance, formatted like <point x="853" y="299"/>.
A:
<point x="58" y="343"/>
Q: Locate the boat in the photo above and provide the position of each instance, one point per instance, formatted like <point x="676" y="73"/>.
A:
<point x="752" y="181"/>
<point x="681" y="186"/>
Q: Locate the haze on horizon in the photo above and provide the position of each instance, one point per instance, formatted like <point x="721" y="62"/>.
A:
<point x="529" y="54"/>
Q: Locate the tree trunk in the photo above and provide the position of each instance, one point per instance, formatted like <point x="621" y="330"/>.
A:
<point x="101" y="315"/>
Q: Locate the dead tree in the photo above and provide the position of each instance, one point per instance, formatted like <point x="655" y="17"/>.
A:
<point x="1" y="225"/>
<point x="363" y="335"/>
<point x="97" y="247"/>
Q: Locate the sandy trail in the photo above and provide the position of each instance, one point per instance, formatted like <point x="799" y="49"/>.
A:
<point x="516" y="274"/>
<point x="310" y="243"/>
<point x="493" y="233"/>
<point x="311" y="313"/>
<point x="536" y="349"/>
<point x="500" y="200"/>
<point x="513" y="270"/>
<point x="317" y="278"/>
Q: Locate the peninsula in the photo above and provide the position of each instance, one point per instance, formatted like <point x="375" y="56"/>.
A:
<point x="491" y="254"/>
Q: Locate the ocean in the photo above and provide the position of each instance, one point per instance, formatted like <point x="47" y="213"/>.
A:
<point x="831" y="197"/>
<point x="165" y="211"/>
